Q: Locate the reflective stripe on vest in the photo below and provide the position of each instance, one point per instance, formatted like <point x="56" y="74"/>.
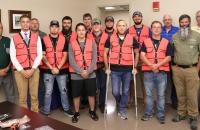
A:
<point x="53" y="54"/>
<point x="144" y="34"/>
<point x="154" y="55"/>
<point x="121" y="55"/>
<point x="26" y="54"/>
<point x="100" y="45"/>
<point x="82" y="59"/>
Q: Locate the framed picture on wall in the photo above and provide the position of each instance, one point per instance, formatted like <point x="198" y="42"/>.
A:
<point x="14" y="19"/>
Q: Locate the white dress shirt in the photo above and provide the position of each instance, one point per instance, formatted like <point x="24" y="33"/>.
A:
<point x="13" y="57"/>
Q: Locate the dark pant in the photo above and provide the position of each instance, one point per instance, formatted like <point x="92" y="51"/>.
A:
<point x="101" y="84"/>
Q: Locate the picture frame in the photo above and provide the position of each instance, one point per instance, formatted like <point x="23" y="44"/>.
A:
<point x="14" y="19"/>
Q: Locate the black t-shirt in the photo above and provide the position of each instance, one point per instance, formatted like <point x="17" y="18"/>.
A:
<point x="122" y="68"/>
<point x="65" y="49"/>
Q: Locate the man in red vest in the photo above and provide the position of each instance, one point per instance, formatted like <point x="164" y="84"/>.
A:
<point x="118" y="53"/>
<point x="156" y="54"/>
<point x="26" y="55"/>
<point x="55" y="66"/>
<point x="140" y="32"/>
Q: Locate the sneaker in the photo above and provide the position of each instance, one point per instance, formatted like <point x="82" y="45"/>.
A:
<point x="102" y="108"/>
<point x="161" y="120"/>
<point x="93" y="115"/>
<point x="193" y="124"/>
<point x="146" y="117"/>
<point x="41" y="111"/>
<point x="123" y="116"/>
<point x="69" y="113"/>
<point x="75" y="117"/>
<point x="178" y="118"/>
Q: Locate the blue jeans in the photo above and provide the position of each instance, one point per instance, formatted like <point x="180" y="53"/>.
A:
<point x="121" y="79"/>
<point x="49" y="84"/>
<point x="156" y="81"/>
<point x="101" y="84"/>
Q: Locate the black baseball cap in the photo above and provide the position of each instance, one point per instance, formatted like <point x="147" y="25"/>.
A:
<point x="109" y="18"/>
<point x="137" y="13"/>
<point x="54" y="22"/>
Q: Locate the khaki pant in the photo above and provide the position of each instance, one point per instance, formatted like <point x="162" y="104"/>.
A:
<point x="187" y="85"/>
<point x="23" y="84"/>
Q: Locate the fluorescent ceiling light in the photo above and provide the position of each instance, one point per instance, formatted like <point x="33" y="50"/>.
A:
<point x="110" y="8"/>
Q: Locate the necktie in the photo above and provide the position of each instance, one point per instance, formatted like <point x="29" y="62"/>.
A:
<point x="26" y="37"/>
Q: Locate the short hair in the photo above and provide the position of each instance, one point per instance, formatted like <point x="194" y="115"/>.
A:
<point x="197" y="12"/>
<point x="80" y="24"/>
<point x="24" y="16"/>
<point x="67" y="18"/>
<point x="154" y="22"/>
<point x="87" y="15"/>
<point x="184" y="16"/>
<point x="34" y="19"/>
<point x="120" y="21"/>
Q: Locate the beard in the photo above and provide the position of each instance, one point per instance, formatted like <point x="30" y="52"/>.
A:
<point x="184" y="32"/>
<point x="138" y="22"/>
<point x="109" y="28"/>
<point x="66" y="31"/>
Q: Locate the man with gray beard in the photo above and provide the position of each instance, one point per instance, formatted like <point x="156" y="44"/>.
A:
<point x="185" y="69"/>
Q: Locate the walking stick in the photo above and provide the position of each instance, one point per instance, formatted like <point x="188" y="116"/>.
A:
<point x="135" y="88"/>
<point x="107" y="85"/>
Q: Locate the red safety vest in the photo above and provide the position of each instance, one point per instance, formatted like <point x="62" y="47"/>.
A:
<point x="72" y="37"/>
<point x="144" y="34"/>
<point x="121" y="55"/>
<point x="83" y="59"/>
<point x="54" y="55"/>
<point x="152" y="54"/>
<point x="26" y="54"/>
<point x="100" y="45"/>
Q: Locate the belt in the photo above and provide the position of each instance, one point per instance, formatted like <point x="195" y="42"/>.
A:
<point x="186" y="66"/>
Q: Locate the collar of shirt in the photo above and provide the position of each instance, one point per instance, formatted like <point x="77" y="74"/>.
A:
<point x="173" y="28"/>
<point x="23" y="35"/>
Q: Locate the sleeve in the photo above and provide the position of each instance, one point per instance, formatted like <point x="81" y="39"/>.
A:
<point x="13" y="57"/>
<point x="72" y="61"/>
<point x="143" y="48"/>
<point x="169" y="51"/>
<point x="39" y="54"/>
<point x="135" y="44"/>
<point x="107" y="45"/>
<point x="94" y="59"/>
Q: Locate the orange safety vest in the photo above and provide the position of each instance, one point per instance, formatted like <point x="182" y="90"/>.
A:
<point x="26" y="53"/>
<point x="83" y="59"/>
<point x="72" y="37"/>
<point x="121" y="54"/>
<point x="54" y="55"/>
<point x="156" y="56"/>
<point x="100" y="45"/>
<point x="144" y="34"/>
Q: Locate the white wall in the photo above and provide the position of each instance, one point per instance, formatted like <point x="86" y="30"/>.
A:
<point x="172" y="7"/>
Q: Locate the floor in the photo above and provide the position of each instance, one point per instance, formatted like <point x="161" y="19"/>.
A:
<point x="112" y="122"/>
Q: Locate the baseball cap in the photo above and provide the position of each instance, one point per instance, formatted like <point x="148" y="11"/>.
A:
<point x="137" y="13"/>
<point x="109" y="18"/>
<point x="54" y="22"/>
<point x="96" y="20"/>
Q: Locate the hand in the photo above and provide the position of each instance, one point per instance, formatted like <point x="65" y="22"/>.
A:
<point x="84" y="74"/>
<point x="55" y="70"/>
<point x="108" y="71"/>
<point x="134" y="71"/>
<point x="24" y="73"/>
<point x="30" y="72"/>
<point x="3" y="72"/>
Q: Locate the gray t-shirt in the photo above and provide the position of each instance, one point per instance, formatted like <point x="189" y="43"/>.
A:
<point x="78" y="70"/>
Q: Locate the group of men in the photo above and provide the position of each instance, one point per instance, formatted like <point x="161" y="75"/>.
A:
<point x="88" y="55"/>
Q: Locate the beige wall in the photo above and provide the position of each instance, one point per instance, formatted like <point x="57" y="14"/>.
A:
<point x="45" y="10"/>
<point x="172" y="7"/>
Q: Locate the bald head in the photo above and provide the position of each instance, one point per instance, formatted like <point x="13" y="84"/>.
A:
<point x="167" y="20"/>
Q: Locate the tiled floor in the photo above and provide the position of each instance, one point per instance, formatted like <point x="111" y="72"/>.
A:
<point x="113" y="122"/>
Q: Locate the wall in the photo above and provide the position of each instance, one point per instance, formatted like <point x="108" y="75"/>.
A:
<point x="44" y="10"/>
<point x="172" y="7"/>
